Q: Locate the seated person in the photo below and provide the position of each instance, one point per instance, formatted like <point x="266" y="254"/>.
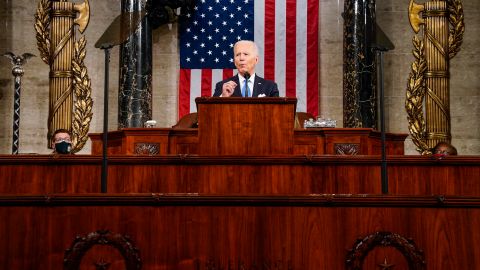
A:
<point x="444" y="149"/>
<point x="246" y="58"/>
<point x="61" y="142"/>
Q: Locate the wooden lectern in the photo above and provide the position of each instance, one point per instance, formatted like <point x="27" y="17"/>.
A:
<point x="245" y="126"/>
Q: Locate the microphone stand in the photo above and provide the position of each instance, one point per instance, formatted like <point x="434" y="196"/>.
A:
<point x="381" y="45"/>
<point x="122" y="27"/>
<point x="384" y="172"/>
<point x="106" y="48"/>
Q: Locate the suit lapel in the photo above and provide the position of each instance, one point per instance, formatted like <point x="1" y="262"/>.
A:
<point x="258" y="87"/>
<point x="237" y="92"/>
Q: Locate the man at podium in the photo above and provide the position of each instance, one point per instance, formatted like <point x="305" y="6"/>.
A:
<point x="246" y="83"/>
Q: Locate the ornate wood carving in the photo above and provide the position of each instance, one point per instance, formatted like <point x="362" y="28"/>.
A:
<point x="407" y="248"/>
<point x="348" y="149"/>
<point x="150" y="149"/>
<point x="73" y="255"/>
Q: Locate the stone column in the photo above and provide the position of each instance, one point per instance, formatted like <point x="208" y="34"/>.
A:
<point x="135" y="86"/>
<point x="359" y="78"/>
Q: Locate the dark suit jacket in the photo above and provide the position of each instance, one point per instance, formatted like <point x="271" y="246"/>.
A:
<point x="261" y="86"/>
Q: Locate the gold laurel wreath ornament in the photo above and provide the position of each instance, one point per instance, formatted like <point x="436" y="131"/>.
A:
<point x="429" y="76"/>
<point x="70" y="105"/>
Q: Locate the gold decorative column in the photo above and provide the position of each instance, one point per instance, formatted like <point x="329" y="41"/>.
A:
<point x="61" y="96"/>
<point x="70" y="103"/>
<point x="428" y="89"/>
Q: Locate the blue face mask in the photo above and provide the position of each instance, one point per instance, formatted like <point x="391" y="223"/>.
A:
<point x="63" y="147"/>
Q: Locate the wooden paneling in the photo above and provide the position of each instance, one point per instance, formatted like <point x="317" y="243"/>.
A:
<point x="239" y="126"/>
<point x="295" y="175"/>
<point x="199" y="233"/>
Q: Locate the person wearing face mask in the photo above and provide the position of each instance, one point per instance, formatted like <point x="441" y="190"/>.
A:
<point x="61" y="142"/>
<point x="246" y="83"/>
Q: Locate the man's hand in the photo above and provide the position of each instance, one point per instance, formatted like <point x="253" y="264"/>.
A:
<point x="228" y="88"/>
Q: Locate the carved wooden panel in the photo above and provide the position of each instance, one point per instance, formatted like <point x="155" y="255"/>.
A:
<point x="149" y="149"/>
<point x="362" y="248"/>
<point x="82" y="244"/>
<point x="349" y="149"/>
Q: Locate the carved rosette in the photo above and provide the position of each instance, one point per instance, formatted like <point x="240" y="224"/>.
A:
<point x="406" y="247"/>
<point x="70" y="105"/>
<point x="73" y="255"/>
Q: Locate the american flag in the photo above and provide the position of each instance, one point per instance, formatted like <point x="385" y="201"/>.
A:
<point x="285" y="31"/>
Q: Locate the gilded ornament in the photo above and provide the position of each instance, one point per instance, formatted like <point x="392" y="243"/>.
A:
<point x="70" y="87"/>
<point x="428" y="89"/>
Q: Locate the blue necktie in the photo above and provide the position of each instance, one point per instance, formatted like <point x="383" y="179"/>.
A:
<point x="246" y="90"/>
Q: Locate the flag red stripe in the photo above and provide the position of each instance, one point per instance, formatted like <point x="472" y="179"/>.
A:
<point x="290" y="50"/>
<point x="184" y="93"/>
<point x="206" y="89"/>
<point x="227" y="73"/>
<point x="312" y="57"/>
<point x="269" y="45"/>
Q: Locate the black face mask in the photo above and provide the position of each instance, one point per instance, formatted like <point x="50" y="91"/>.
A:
<point x="63" y="147"/>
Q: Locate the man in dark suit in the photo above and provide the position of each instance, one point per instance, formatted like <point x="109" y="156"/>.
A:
<point x="246" y="83"/>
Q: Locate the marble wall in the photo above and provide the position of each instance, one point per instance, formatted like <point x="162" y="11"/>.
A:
<point x="18" y="35"/>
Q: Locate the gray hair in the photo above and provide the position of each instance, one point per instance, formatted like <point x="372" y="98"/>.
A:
<point x="255" y="47"/>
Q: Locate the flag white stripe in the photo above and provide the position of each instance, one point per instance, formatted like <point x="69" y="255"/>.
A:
<point x="259" y="35"/>
<point x="280" y="44"/>
<point x="195" y="87"/>
<point x="217" y="76"/>
<point x="301" y="54"/>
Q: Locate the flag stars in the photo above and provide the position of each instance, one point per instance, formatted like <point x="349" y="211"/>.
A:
<point x="216" y="60"/>
<point x="195" y="37"/>
<point x="224" y="52"/>
<point x="209" y="52"/>
<point x="210" y="22"/>
<point x="245" y="30"/>
<point x="209" y="37"/>
<point x="231" y="30"/>
<point x="195" y="52"/>
<point x="224" y="8"/>
<point x="224" y="23"/>
<point x="188" y="30"/>
<point x="217" y="45"/>
<point x="188" y="45"/>
<point x="217" y="30"/>
<point x="245" y="15"/>
<point x="202" y="45"/>
<point x="188" y="59"/>
<point x="217" y="15"/>
<point x="210" y="8"/>
<point x="195" y="22"/>
<point x="232" y="15"/>
<point x="202" y="15"/>
<point x="239" y="23"/>
<point x="239" y="8"/>
<point x="202" y="30"/>
<point x="202" y="59"/>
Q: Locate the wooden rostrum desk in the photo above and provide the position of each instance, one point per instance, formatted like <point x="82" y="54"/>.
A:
<point x="299" y="205"/>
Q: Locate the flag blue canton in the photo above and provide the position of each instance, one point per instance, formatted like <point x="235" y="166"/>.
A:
<point x="209" y="31"/>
